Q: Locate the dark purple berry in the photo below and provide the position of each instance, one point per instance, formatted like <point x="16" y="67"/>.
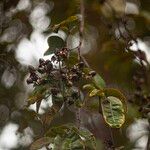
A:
<point x="92" y="73"/>
<point x="29" y="81"/>
<point x="53" y="58"/>
<point x="34" y="77"/>
<point x="79" y="74"/>
<point x="81" y="64"/>
<point x="64" y="77"/>
<point x="74" y="77"/>
<point x="49" y="66"/>
<point x="70" y="102"/>
<point x="47" y="61"/>
<point x="41" y="70"/>
<point x="74" y="69"/>
<point x="41" y="61"/>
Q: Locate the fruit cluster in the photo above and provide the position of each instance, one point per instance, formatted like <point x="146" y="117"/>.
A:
<point x="56" y="74"/>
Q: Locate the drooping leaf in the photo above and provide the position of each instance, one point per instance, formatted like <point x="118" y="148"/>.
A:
<point x="94" y="92"/>
<point x="29" y="114"/>
<point x="98" y="81"/>
<point x="71" y="21"/>
<point x="40" y="143"/>
<point x="73" y="58"/>
<point x="54" y="42"/>
<point x="23" y="118"/>
<point x="50" y="114"/>
<point x="113" y="111"/>
<point x="37" y="95"/>
<point x="68" y="24"/>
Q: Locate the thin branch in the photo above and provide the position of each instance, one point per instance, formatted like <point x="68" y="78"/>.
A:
<point x="148" y="141"/>
<point x="81" y="28"/>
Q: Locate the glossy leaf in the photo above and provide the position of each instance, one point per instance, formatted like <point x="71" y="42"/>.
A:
<point x="54" y="42"/>
<point x="113" y="111"/>
<point x="116" y="93"/>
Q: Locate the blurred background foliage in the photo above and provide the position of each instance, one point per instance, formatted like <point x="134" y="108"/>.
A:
<point x="24" y="28"/>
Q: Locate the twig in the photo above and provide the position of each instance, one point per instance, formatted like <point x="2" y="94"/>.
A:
<point x="112" y="138"/>
<point x="81" y="28"/>
<point x="148" y="141"/>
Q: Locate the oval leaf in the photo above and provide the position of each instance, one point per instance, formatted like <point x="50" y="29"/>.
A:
<point x="37" y="95"/>
<point x="98" y="81"/>
<point x="54" y="42"/>
<point x="40" y="143"/>
<point x="72" y="59"/>
<point x="113" y="112"/>
<point x="116" y="93"/>
<point x="68" y="24"/>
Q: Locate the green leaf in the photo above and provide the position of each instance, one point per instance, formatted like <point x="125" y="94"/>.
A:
<point x="37" y="95"/>
<point x="88" y="87"/>
<point x="69" y="137"/>
<point x="40" y="143"/>
<point x="94" y="92"/>
<point x="69" y="23"/>
<point x="90" y="139"/>
<point x="113" y="111"/>
<point x="78" y="103"/>
<point x="98" y="81"/>
<point x="116" y="93"/>
<point x="73" y="58"/>
<point x="54" y="43"/>
<point x="29" y="114"/>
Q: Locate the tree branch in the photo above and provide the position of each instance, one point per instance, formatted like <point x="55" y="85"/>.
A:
<point x="81" y="28"/>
